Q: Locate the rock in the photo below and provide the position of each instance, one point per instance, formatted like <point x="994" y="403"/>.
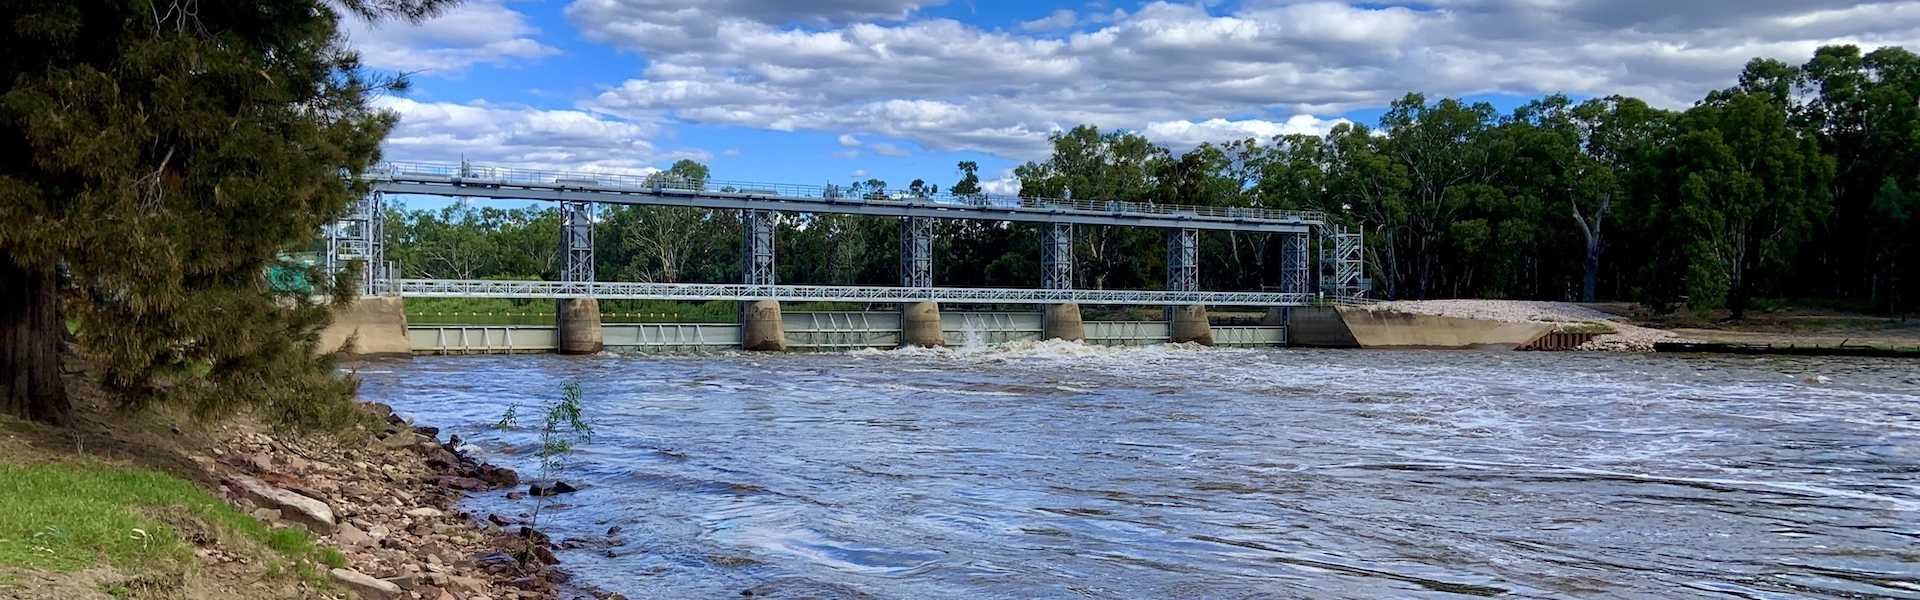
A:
<point x="461" y="483"/>
<point x="613" y="531"/>
<point x="467" y="585"/>
<point x="437" y="594"/>
<point x="351" y="537"/>
<point x="424" y="512"/>
<point x="516" y="495"/>
<point x="261" y="463"/>
<point x="379" y="410"/>
<point x="378" y="532"/>
<point x="426" y="431"/>
<point x="314" y="514"/>
<point x="499" y="476"/>
<point x="365" y="586"/>
<point x="406" y="582"/>
<point x="545" y="555"/>
<point x="266" y="514"/>
<point x="499" y="520"/>
<point x="497" y="561"/>
<point x="557" y="488"/>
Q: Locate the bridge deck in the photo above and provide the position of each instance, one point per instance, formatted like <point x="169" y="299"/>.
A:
<point x="437" y="179"/>
<point x="450" y="288"/>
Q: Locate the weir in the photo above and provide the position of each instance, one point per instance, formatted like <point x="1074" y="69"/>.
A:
<point x="918" y="320"/>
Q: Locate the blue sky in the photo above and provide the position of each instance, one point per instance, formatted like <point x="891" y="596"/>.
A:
<point x="839" y="90"/>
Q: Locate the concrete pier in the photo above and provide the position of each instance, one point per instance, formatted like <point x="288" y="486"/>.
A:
<point x="920" y="325"/>
<point x="761" y="328"/>
<point x="1189" y="324"/>
<point x="1062" y="322"/>
<point x="577" y="326"/>
<point x="375" y="326"/>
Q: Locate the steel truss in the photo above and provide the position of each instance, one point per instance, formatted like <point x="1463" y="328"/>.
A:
<point x="576" y="240"/>
<point x="1056" y="256"/>
<point x="1343" y="262"/>
<point x="916" y="252"/>
<point x="1183" y="260"/>
<point x="463" y="180"/>
<point x="756" y="251"/>
<point x="1295" y="274"/>
<point x="451" y="288"/>
<point x="360" y="236"/>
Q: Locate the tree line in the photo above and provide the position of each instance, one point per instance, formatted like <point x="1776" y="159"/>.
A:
<point x="1796" y="182"/>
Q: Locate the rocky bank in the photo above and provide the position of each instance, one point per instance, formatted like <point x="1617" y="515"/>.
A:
<point x="385" y="495"/>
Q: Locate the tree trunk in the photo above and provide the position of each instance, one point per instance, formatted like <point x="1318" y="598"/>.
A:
<point x="31" y="336"/>
<point x="1591" y="280"/>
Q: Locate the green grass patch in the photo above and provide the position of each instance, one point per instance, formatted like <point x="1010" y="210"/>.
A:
<point x="65" y="517"/>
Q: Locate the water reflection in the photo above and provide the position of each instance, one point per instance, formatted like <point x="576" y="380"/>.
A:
<point x="1059" y="471"/>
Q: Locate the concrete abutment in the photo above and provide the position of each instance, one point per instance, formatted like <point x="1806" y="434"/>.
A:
<point x="375" y="326"/>
<point x="920" y="325"/>
<point x="761" y="328"/>
<point x="1189" y="324"/>
<point x="577" y="328"/>
<point x="1062" y="322"/>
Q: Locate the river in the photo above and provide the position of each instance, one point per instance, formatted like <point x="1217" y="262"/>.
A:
<point x="1059" y="471"/>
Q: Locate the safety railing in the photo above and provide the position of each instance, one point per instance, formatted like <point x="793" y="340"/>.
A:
<point x="661" y="183"/>
<point x="482" y="288"/>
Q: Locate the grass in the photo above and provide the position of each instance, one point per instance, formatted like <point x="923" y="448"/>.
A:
<point x="65" y="517"/>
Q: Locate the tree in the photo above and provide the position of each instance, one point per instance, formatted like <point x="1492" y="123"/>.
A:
<point x="668" y="239"/>
<point x="969" y="183"/>
<point x="1751" y="189"/>
<point x="161" y="159"/>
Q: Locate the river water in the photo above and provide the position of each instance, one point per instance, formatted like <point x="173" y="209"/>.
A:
<point x="1059" y="471"/>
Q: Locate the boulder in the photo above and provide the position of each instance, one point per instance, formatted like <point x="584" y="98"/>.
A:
<point x="314" y="514"/>
<point x="425" y="512"/>
<point x="365" y="586"/>
<point x="351" y="537"/>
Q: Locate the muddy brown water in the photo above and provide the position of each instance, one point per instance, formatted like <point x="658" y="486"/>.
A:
<point x="1058" y="471"/>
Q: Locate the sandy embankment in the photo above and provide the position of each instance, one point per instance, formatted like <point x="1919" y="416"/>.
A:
<point x="1626" y="337"/>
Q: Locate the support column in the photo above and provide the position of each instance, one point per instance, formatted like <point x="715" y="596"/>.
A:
<point x="576" y="321"/>
<point x="919" y="321"/>
<point x="360" y="236"/>
<point x="1295" y="276"/>
<point x="761" y="328"/>
<point x="1186" y="323"/>
<point x="1061" y="321"/>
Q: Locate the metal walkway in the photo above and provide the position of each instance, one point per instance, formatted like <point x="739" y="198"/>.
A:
<point x="608" y="290"/>
<point x="464" y="180"/>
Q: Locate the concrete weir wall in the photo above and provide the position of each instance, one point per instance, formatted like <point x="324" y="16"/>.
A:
<point x="1361" y="327"/>
<point x="376" y="326"/>
<point x="920" y="325"/>
<point x="577" y="325"/>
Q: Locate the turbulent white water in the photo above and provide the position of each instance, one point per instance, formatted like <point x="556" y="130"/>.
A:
<point x="1055" y="470"/>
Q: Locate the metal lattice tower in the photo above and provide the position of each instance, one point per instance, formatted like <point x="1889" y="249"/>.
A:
<point x="1183" y="260"/>
<point x="576" y="240"/>
<point x="1295" y="274"/>
<point x="1343" y="263"/>
<point x="1056" y="256"/>
<point x="916" y="252"/>
<point x="756" y="250"/>
<point x="360" y="236"/>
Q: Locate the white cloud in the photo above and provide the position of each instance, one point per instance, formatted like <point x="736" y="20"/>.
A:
<point x="1183" y="72"/>
<point x="525" y="137"/>
<point x="481" y="31"/>
<point x="886" y="149"/>
<point x="849" y="141"/>
<point x="1006" y="184"/>
<point x="858" y="173"/>
<point x="1060" y="19"/>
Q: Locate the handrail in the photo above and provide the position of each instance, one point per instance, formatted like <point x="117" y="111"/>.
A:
<point x="661" y="183"/>
<point x="488" y="288"/>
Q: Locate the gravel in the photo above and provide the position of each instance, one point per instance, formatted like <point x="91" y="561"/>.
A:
<point x="1626" y="337"/>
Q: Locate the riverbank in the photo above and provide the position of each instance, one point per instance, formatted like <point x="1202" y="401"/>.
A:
<point x="1619" y="332"/>
<point x="158" y="505"/>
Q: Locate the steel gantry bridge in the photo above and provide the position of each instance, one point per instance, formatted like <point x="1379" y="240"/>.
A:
<point x="358" y="237"/>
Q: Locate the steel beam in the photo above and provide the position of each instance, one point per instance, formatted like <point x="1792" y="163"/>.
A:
<point x="576" y="241"/>
<point x="360" y="236"/>
<point x="1294" y="271"/>
<point x="527" y="184"/>
<point x="451" y="288"/>
<point x="916" y="252"/>
<point x="756" y="250"/>
<point x="1056" y="256"/>
<point x="1183" y="260"/>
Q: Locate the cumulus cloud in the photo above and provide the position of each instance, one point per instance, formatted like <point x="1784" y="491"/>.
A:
<point x="1182" y="73"/>
<point x="525" y="137"/>
<point x="482" y="31"/>
<point x="849" y="141"/>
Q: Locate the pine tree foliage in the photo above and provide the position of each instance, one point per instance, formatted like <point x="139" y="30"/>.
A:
<point x="160" y="156"/>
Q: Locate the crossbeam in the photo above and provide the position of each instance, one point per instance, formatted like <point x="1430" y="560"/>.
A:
<point x="607" y="290"/>
<point x="470" y="181"/>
